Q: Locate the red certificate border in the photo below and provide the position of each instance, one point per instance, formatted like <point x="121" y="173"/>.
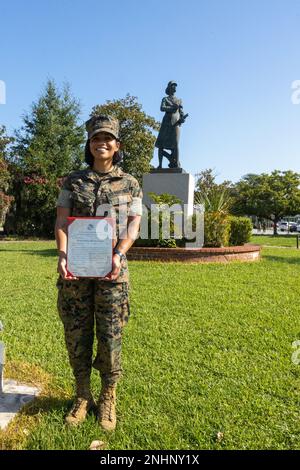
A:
<point x="70" y="220"/>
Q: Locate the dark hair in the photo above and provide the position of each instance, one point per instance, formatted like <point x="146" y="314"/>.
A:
<point x="89" y="159"/>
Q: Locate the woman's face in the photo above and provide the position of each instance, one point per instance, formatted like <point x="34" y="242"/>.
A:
<point x="103" y="146"/>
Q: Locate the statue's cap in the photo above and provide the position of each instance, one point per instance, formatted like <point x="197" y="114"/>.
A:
<point x="168" y="89"/>
<point x="102" y="123"/>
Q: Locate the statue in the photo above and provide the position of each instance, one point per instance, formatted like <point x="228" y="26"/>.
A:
<point x="168" y="137"/>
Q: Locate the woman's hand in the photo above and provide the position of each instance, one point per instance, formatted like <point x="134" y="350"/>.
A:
<point x="116" y="267"/>
<point x="62" y="270"/>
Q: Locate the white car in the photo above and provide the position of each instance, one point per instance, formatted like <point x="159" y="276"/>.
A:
<point x="293" y="227"/>
<point x="283" y="226"/>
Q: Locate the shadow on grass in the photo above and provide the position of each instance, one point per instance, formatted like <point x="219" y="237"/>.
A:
<point x="46" y="404"/>
<point x="46" y="253"/>
<point x="51" y="403"/>
<point x="282" y="259"/>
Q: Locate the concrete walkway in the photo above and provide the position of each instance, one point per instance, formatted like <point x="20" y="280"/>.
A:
<point x="15" y="395"/>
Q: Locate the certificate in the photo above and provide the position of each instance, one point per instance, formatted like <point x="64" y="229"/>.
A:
<point x="90" y="246"/>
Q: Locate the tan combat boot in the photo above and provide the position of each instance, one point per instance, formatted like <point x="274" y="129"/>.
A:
<point x="83" y="403"/>
<point x="107" y="408"/>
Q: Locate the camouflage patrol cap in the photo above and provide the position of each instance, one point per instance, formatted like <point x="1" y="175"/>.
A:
<point x="102" y="123"/>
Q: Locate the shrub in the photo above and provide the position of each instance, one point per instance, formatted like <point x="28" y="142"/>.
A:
<point x="34" y="211"/>
<point x="240" y="230"/>
<point x="217" y="203"/>
<point x="216" y="229"/>
<point x="220" y="228"/>
<point x="146" y="242"/>
<point x="162" y="200"/>
<point x="169" y="243"/>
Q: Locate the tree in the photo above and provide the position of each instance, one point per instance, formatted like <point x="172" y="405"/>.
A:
<point x="270" y="196"/>
<point x="135" y="133"/>
<point x="210" y="193"/>
<point x="214" y="196"/>
<point x="206" y="182"/>
<point x="48" y="146"/>
<point x="50" y="142"/>
<point x="5" y="199"/>
<point x="4" y="142"/>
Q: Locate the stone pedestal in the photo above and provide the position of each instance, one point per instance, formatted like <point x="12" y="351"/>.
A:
<point x="172" y="181"/>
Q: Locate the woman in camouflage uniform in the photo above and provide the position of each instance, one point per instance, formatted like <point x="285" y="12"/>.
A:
<point x="83" y="302"/>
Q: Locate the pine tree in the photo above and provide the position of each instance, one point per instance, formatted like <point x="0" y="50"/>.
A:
<point x="48" y="146"/>
<point x="50" y="142"/>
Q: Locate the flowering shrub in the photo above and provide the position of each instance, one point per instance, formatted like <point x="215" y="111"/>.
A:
<point x="34" y="210"/>
<point x="34" y="180"/>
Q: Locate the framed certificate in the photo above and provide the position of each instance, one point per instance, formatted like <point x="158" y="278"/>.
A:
<point x="90" y="246"/>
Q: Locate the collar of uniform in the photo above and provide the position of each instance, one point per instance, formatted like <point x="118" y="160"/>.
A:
<point x="116" y="171"/>
<point x="113" y="173"/>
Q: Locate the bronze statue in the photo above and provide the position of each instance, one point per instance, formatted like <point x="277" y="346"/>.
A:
<point x="168" y="137"/>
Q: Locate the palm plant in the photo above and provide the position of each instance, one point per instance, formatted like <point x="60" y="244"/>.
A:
<point x="217" y="199"/>
<point x="217" y="202"/>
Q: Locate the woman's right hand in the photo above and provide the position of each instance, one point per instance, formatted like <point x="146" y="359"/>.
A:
<point x="62" y="269"/>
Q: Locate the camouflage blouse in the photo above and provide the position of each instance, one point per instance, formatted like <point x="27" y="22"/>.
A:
<point x="84" y="191"/>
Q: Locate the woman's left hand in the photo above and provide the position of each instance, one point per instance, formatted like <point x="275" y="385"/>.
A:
<point x="116" y="267"/>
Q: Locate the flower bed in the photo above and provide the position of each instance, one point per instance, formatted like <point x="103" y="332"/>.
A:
<point x="196" y="255"/>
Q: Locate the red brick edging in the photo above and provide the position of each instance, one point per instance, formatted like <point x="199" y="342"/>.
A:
<point x="196" y="255"/>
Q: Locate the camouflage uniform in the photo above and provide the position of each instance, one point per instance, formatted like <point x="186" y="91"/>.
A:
<point x="85" y="301"/>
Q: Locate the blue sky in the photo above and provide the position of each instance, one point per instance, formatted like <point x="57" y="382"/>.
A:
<point x="234" y="61"/>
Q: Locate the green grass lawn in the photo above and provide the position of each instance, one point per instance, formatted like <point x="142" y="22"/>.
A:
<point x="207" y="350"/>
<point x="277" y="240"/>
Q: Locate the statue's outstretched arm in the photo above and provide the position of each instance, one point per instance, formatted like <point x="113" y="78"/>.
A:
<point x="180" y="108"/>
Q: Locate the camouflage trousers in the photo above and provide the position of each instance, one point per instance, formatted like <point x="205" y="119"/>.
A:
<point x="87" y="303"/>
